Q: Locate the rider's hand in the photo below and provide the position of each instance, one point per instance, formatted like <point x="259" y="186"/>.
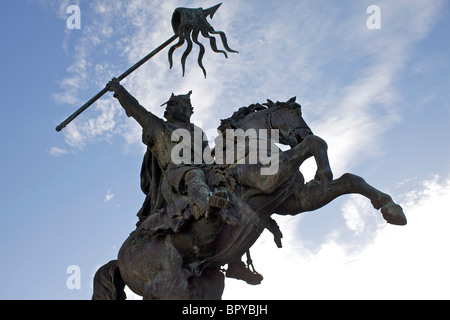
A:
<point x="114" y="85"/>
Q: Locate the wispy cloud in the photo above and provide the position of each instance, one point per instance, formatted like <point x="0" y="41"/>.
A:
<point x="56" y="152"/>
<point x="277" y="60"/>
<point x="356" y="212"/>
<point x="109" y="195"/>
<point x="359" y="112"/>
<point x="116" y="34"/>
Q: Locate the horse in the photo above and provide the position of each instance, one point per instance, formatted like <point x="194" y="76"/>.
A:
<point x="299" y="196"/>
<point x="186" y="263"/>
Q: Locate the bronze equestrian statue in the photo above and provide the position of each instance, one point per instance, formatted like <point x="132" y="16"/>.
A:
<point x="177" y="251"/>
<point x="199" y="216"/>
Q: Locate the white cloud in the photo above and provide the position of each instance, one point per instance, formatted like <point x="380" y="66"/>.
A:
<point x="97" y="58"/>
<point x="109" y="196"/>
<point x="353" y="213"/>
<point x="131" y="295"/>
<point x="101" y="125"/>
<point x="409" y="262"/>
<point x="56" y="152"/>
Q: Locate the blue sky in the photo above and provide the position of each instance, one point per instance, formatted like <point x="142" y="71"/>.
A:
<point x="380" y="98"/>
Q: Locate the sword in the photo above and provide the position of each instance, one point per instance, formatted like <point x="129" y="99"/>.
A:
<point x="185" y="22"/>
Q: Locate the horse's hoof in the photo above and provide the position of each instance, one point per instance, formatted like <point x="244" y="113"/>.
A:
<point x="393" y="214"/>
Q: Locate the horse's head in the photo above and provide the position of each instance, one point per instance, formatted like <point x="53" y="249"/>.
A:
<point x="287" y="118"/>
<point x="283" y="116"/>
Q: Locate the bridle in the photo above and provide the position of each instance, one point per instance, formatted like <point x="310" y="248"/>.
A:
<point x="271" y="127"/>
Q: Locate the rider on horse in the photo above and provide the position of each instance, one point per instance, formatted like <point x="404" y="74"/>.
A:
<point x="160" y="176"/>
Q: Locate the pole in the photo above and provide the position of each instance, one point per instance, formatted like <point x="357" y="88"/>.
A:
<point x="120" y="78"/>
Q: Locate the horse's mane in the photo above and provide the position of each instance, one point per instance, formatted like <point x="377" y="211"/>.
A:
<point x="233" y="121"/>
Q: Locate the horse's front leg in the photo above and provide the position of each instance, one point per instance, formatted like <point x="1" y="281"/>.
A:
<point x="311" y="196"/>
<point x="288" y="165"/>
<point x="350" y="183"/>
<point x="313" y="146"/>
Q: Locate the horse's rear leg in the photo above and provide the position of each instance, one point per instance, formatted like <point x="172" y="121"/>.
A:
<point x="185" y="286"/>
<point x="154" y="269"/>
<point x="169" y="278"/>
<point x="312" y="196"/>
<point x="108" y="283"/>
<point x="208" y="286"/>
<point x="167" y="286"/>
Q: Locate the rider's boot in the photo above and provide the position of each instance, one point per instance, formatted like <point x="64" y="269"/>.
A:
<point x="238" y="270"/>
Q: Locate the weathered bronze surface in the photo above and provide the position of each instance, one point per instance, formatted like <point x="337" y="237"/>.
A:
<point x="196" y="217"/>
<point x="186" y="21"/>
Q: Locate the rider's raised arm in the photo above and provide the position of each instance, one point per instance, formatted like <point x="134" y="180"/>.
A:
<point x="130" y="104"/>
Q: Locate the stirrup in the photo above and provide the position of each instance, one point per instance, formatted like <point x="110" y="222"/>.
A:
<point x="218" y="199"/>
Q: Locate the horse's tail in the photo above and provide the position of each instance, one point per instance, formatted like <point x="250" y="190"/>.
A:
<point x="108" y="283"/>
